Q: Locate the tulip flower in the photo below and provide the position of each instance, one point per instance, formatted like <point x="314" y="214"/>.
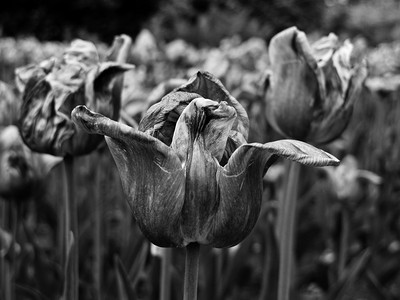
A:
<point x="311" y="88"/>
<point x="189" y="173"/>
<point x="55" y="89"/>
<point x="20" y="169"/>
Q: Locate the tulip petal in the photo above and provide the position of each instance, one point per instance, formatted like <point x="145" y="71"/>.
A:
<point x="120" y="48"/>
<point x="151" y="174"/>
<point x="292" y="84"/>
<point x="304" y="49"/>
<point x="240" y="184"/>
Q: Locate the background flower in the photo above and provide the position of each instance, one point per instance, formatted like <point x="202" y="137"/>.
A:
<point x="312" y="88"/>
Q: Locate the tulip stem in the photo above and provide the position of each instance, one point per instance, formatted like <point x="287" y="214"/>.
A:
<point x="13" y="247"/>
<point x="5" y="265"/>
<point x="344" y="241"/>
<point x="165" y="289"/>
<point x="97" y="264"/>
<point x="71" y="272"/>
<point x="191" y="271"/>
<point x="286" y="230"/>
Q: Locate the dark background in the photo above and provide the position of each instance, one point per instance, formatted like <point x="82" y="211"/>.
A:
<point x="192" y="20"/>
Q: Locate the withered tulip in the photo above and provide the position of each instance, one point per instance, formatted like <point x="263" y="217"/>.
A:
<point x="311" y="88"/>
<point x="49" y="97"/>
<point x="20" y="169"/>
<point x="182" y="182"/>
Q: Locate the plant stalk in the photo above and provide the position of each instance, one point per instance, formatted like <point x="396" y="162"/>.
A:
<point x="5" y="278"/>
<point x="165" y="288"/>
<point x="14" y="229"/>
<point x="191" y="272"/>
<point x="97" y="263"/>
<point x="71" y="284"/>
<point x="286" y="230"/>
<point x="344" y="242"/>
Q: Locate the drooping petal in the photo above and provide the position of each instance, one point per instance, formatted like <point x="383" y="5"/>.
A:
<point x="240" y="185"/>
<point x="151" y="174"/>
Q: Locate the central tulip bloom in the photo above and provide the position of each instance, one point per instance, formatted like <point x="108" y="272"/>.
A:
<point x="191" y="176"/>
<point x="312" y="88"/>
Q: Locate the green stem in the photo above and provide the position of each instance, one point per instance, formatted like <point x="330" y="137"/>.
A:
<point x="286" y="231"/>
<point x="71" y="284"/>
<point x="4" y="264"/>
<point x="97" y="264"/>
<point x="14" y="230"/>
<point x="165" y="289"/>
<point x="344" y="241"/>
<point x="191" y="271"/>
<point x="269" y="283"/>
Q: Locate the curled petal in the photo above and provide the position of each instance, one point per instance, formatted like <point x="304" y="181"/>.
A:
<point x="208" y="86"/>
<point x="240" y="183"/>
<point x="151" y="174"/>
